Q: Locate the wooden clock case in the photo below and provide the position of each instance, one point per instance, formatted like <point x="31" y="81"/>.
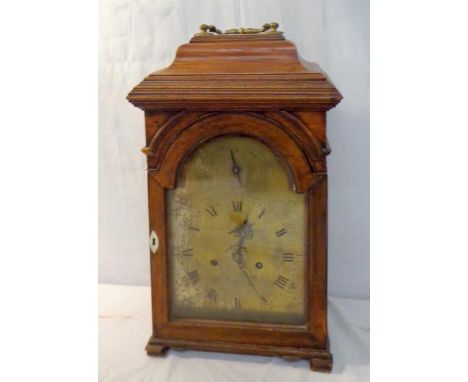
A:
<point x="256" y="86"/>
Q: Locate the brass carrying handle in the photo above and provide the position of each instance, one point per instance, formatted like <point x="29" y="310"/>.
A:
<point x="211" y="30"/>
<point x="208" y="29"/>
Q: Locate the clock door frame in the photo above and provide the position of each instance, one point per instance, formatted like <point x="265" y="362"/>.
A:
<point x="299" y="139"/>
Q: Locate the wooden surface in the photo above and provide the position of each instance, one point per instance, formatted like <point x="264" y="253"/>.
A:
<point x="219" y="73"/>
<point x="254" y="87"/>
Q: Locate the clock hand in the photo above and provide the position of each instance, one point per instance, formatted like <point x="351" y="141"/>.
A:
<point x="238" y="257"/>
<point x="235" y="167"/>
<point x="244" y="229"/>
<point x="241" y="230"/>
<point x="242" y="268"/>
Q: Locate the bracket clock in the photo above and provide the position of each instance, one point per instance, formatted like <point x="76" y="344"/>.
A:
<point x="237" y="182"/>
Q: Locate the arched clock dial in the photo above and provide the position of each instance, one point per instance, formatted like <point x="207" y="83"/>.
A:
<point x="236" y="234"/>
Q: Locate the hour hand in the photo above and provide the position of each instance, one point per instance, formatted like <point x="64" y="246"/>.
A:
<point x="235" y="167"/>
<point x="244" y="230"/>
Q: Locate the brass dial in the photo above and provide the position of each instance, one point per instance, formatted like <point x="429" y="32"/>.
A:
<point x="237" y="236"/>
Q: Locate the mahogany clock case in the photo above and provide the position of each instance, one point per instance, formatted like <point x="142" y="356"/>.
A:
<point x="255" y="86"/>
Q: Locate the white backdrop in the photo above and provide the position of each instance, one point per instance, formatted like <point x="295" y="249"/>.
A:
<point x="137" y="37"/>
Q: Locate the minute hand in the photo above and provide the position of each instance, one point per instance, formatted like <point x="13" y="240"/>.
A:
<point x="238" y="258"/>
<point x="242" y="268"/>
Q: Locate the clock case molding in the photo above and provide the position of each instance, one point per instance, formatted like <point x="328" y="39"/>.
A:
<point x="255" y="86"/>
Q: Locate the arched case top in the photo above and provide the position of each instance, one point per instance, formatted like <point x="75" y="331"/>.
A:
<point x="284" y="133"/>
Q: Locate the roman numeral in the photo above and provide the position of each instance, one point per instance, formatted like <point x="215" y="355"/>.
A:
<point x="187" y="252"/>
<point x="212" y="295"/>
<point x="191" y="278"/>
<point x="288" y="257"/>
<point x="237" y="206"/>
<point x="281" y="282"/>
<point x="281" y="232"/>
<point x="261" y="213"/>
<point x="194" y="276"/>
<point x="237" y="303"/>
<point x="212" y="211"/>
